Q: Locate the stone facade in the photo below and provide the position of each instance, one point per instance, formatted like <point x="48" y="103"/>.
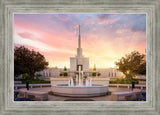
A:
<point x="79" y="61"/>
<point x="107" y="72"/>
<point x="110" y="72"/>
<point x="74" y="61"/>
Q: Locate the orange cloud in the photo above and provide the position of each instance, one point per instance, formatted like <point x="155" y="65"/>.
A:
<point x="104" y="40"/>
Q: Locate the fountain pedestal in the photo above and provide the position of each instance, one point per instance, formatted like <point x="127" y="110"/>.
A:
<point x="89" y="90"/>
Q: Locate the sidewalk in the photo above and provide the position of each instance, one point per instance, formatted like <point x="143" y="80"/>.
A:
<point x="60" y="98"/>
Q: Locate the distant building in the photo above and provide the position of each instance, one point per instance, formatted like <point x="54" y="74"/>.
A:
<point x="106" y="72"/>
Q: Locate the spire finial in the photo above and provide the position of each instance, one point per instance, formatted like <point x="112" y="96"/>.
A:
<point x="79" y="29"/>
<point x="79" y="49"/>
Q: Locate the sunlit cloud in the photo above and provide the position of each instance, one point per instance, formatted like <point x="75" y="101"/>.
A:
<point x="105" y="37"/>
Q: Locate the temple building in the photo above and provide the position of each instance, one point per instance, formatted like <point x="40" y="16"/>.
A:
<point x="79" y="61"/>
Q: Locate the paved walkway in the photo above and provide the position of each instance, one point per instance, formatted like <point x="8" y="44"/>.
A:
<point x="62" y="98"/>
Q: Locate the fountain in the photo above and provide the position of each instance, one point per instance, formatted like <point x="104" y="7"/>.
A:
<point x="70" y="82"/>
<point x="79" y="89"/>
<point x="79" y="80"/>
<point x="87" y="82"/>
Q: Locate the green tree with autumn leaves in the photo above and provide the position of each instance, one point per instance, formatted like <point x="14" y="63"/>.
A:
<point x="132" y="64"/>
<point x="28" y="61"/>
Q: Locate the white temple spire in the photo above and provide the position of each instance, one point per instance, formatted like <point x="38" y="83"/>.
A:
<point x="79" y="49"/>
<point x="79" y="40"/>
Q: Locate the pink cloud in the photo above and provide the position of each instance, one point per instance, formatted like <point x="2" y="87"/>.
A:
<point x="62" y="41"/>
<point x="26" y="35"/>
<point x="108" y="20"/>
<point x="103" y="46"/>
<point x="89" y="20"/>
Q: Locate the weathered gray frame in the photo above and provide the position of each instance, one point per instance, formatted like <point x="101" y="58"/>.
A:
<point x="149" y="7"/>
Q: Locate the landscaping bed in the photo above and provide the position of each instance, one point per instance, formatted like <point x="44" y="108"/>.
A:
<point x="124" y="81"/>
<point x="35" y="81"/>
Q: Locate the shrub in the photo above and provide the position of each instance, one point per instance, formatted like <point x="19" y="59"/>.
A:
<point x="38" y="75"/>
<point x="65" y="74"/>
<point x="125" y="81"/>
<point x="60" y="74"/>
<point x="93" y="74"/>
<point x="34" y="81"/>
<point x="25" y="76"/>
<point x="99" y="74"/>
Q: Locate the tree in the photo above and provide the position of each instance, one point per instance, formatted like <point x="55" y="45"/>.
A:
<point x="94" y="68"/>
<point x="26" y="61"/>
<point x="132" y="64"/>
<point x="65" y="69"/>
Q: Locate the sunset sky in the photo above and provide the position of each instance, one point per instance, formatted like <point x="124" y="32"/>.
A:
<point x="105" y="38"/>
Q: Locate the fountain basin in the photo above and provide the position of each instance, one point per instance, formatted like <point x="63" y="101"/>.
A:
<point x="80" y="91"/>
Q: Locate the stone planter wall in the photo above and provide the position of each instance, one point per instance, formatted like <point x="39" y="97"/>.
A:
<point x="100" y="81"/>
<point x="55" y="81"/>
